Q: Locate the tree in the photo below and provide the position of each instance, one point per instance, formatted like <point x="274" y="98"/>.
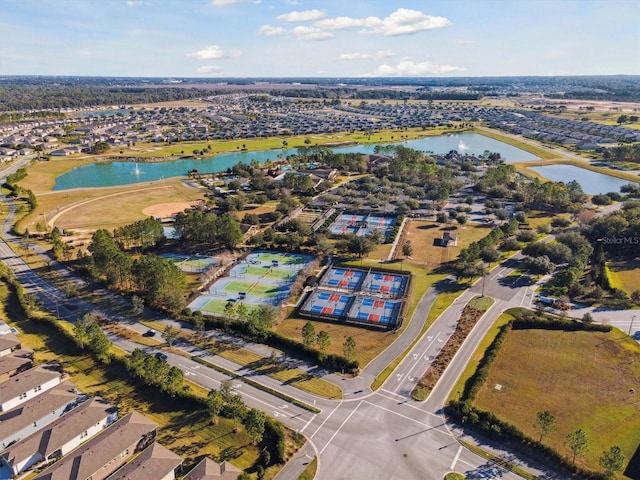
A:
<point x="587" y="318"/>
<point x="635" y="296"/>
<point x="612" y="460"/>
<point x="173" y="382"/>
<point x="349" y="348"/>
<point x="234" y="409"/>
<point x="407" y="249"/>
<point x="215" y="402"/>
<point x="324" y="341"/>
<point x="137" y="305"/>
<point x="230" y="310"/>
<point x="198" y="324"/>
<point x="254" y="423"/>
<point x="308" y="334"/>
<point x="578" y="443"/>
<point x="544" y="423"/>
<point x="169" y="335"/>
<point x="226" y="390"/>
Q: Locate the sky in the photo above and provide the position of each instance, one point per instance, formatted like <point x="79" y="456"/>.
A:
<point x="319" y="38"/>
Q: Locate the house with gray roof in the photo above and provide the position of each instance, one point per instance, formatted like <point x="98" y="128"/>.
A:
<point x="27" y="385"/>
<point x="8" y="343"/>
<point x="207" y="469"/>
<point x="11" y="365"/>
<point x="38" y="412"/>
<point x="153" y="463"/>
<point x="106" y="452"/>
<point x="60" y="437"/>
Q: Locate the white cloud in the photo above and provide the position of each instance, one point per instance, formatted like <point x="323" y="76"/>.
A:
<point x="133" y="3"/>
<point x="222" y="3"/>
<point x="401" y="22"/>
<point x="462" y="41"/>
<point x="408" y="68"/>
<point x="270" y="31"/>
<point x="304" y="16"/>
<point x="365" y="56"/>
<point x="340" y="23"/>
<point x="214" y="52"/>
<point x="209" y="69"/>
<point x="311" y="33"/>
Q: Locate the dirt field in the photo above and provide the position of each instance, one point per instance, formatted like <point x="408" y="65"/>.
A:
<point x="165" y="210"/>
<point x="582" y="378"/>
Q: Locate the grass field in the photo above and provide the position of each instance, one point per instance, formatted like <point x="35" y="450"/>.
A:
<point x="104" y="207"/>
<point x="625" y="273"/>
<point x="422" y="234"/>
<point x="582" y="378"/>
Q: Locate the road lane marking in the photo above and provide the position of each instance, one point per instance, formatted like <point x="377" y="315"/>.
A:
<point x="325" y="420"/>
<point x="445" y="432"/>
<point x="340" y="427"/>
<point x="307" y="424"/>
<point x="455" y="459"/>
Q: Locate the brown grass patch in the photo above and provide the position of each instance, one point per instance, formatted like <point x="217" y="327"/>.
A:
<point x="626" y="273"/>
<point x="369" y="343"/>
<point x="422" y="234"/>
<point x="165" y="210"/>
<point x="105" y="207"/>
<point x="582" y="378"/>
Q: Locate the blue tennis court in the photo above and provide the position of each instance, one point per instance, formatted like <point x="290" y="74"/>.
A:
<point x="362" y="225"/>
<point x="327" y="304"/>
<point x="343" y="278"/>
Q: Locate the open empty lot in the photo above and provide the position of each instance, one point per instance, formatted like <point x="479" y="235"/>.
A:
<point x="585" y="379"/>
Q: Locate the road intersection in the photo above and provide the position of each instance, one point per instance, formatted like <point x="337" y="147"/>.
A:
<point x="367" y="435"/>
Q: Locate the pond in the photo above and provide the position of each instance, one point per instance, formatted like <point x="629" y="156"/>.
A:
<point x="123" y="173"/>
<point x="592" y="183"/>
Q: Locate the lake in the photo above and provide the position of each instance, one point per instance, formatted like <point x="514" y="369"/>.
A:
<point x="591" y="182"/>
<point x="123" y="173"/>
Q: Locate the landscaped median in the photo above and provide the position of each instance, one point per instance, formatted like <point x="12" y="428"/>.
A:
<point x="271" y="367"/>
<point x="471" y="313"/>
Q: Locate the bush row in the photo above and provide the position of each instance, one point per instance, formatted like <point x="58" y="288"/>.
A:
<point x="396" y="229"/>
<point x="488" y="424"/>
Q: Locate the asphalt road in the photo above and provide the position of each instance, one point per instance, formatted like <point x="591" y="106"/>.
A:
<point x="368" y="435"/>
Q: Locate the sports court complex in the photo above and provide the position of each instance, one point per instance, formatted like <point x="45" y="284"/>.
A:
<point x="367" y="297"/>
<point x="362" y="225"/>
<point x="262" y="278"/>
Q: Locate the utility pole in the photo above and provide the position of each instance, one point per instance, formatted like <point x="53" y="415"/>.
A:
<point x="631" y="324"/>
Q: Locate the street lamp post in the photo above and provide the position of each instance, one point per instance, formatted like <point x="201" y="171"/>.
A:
<point x="631" y="324"/>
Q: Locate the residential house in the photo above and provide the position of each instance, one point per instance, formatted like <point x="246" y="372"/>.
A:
<point x="154" y="463"/>
<point x="60" y="437"/>
<point x="38" y="412"/>
<point x="9" y="343"/>
<point x="207" y="469"/>
<point x="106" y="452"/>
<point x="11" y="365"/>
<point x="27" y="385"/>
